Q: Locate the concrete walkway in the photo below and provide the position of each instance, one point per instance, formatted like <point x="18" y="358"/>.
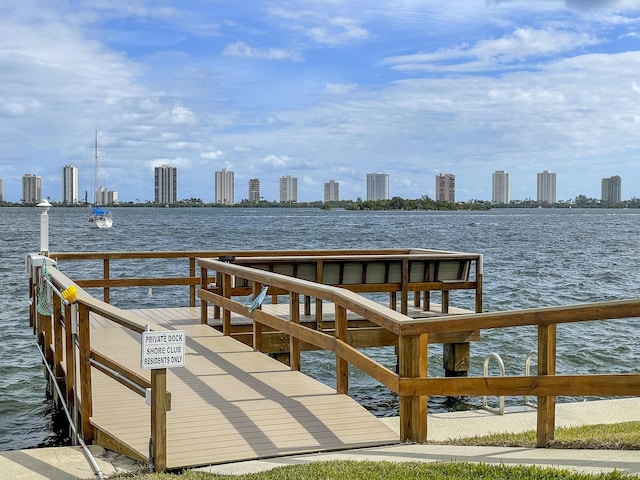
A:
<point x="446" y="426"/>
<point x="69" y="462"/>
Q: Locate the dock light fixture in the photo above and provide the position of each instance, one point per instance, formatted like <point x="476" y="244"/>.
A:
<point x="44" y="207"/>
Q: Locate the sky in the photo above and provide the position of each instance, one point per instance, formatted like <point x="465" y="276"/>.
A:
<point x="321" y="90"/>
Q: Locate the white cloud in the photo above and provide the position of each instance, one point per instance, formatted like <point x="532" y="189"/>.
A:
<point x="212" y="155"/>
<point x="337" y="31"/>
<point x="276" y="161"/>
<point x="492" y="54"/>
<point x="340" y="89"/>
<point x="241" y="49"/>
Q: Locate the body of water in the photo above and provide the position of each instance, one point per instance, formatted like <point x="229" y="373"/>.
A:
<point x="532" y="258"/>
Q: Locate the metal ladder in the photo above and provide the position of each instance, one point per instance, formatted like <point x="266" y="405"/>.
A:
<point x="527" y="372"/>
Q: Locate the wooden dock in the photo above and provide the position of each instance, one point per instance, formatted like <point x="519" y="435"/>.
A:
<point x="231" y="400"/>
<point x="228" y="402"/>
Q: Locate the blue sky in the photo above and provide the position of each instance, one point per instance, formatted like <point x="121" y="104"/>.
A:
<point x="321" y="90"/>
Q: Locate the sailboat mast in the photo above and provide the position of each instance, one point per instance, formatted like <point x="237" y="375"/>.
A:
<point x="95" y="172"/>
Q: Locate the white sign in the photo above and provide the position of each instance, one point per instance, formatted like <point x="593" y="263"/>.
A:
<point x="163" y="349"/>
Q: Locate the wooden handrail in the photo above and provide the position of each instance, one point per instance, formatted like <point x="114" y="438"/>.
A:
<point x="412" y="383"/>
<point x="160" y="398"/>
<point x="609" y="310"/>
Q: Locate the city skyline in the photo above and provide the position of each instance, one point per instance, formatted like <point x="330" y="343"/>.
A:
<point x="322" y="90"/>
<point x="224" y="184"/>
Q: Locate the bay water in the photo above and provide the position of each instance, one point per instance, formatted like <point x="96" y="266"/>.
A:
<point x="532" y="258"/>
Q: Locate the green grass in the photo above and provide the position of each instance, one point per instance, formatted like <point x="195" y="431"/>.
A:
<point x="349" y="470"/>
<point x="617" y="436"/>
<point x="621" y="436"/>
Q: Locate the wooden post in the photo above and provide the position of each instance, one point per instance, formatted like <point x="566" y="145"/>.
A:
<point x="342" y="366"/>
<point x="159" y="418"/>
<point x="204" y="305"/>
<point x="216" y="308"/>
<point x="192" y="288"/>
<point x="84" y="340"/>
<point x="57" y="337"/>
<point x="479" y="284"/>
<point x="546" y="418"/>
<point x="404" y="292"/>
<point x="257" y="326"/>
<point x="44" y="327"/>
<point x="294" y="343"/>
<point x="307" y="305"/>
<point x="69" y="354"/>
<point x="319" y="279"/>
<point x="226" y="314"/>
<point x="426" y="300"/>
<point x="413" y="363"/>
<point x="105" y="266"/>
<point x="445" y="302"/>
<point x="456" y="359"/>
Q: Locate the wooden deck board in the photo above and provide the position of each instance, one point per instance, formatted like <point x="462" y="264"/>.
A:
<point x="228" y="403"/>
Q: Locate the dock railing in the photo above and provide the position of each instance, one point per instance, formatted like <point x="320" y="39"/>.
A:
<point x="400" y="270"/>
<point x="65" y="337"/>
<point x="411" y="382"/>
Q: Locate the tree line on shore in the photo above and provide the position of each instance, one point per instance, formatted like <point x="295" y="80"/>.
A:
<point x="395" y="203"/>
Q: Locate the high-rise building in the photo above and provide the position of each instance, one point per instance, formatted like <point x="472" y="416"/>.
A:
<point x="166" y="184"/>
<point x="331" y="191"/>
<point x="377" y="186"/>
<point x="288" y="189"/>
<point x="69" y="184"/>
<point x="1" y="197"/>
<point x="224" y="187"/>
<point x="105" y="196"/>
<point x="254" y="190"/>
<point x="612" y="189"/>
<point x="446" y="187"/>
<point x="31" y="189"/>
<point x="500" y="187"/>
<point x="547" y="187"/>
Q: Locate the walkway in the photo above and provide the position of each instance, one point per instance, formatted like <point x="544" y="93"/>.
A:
<point x="445" y="426"/>
<point x="228" y="403"/>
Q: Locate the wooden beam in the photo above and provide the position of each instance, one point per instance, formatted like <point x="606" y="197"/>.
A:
<point x="342" y="367"/>
<point x="294" y="343"/>
<point x="159" y="418"/>
<point x="615" y="385"/>
<point x="84" y="341"/>
<point x="546" y="416"/>
<point x="412" y="363"/>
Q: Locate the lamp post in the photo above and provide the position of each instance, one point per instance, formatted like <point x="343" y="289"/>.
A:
<point x="44" y="207"/>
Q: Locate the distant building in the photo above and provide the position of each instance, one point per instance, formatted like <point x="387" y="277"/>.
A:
<point x="1" y="197"/>
<point x="377" y="186"/>
<point x="105" y="196"/>
<point x="446" y="187"/>
<point x="254" y="190"/>
<point x="500" y="187"/>
<point x="612" y="189"/>
<point x="331" y="191"/>
<point x="69" y="185"/>
<point x="31" y="189"/>
<point x="224" y="187"/>
<point x="546" y="187"/>
<point x="166" y="184"/>
<point x="288" y="189"/>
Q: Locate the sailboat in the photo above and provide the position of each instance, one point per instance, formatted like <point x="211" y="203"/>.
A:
<point x="99" y="217"/>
